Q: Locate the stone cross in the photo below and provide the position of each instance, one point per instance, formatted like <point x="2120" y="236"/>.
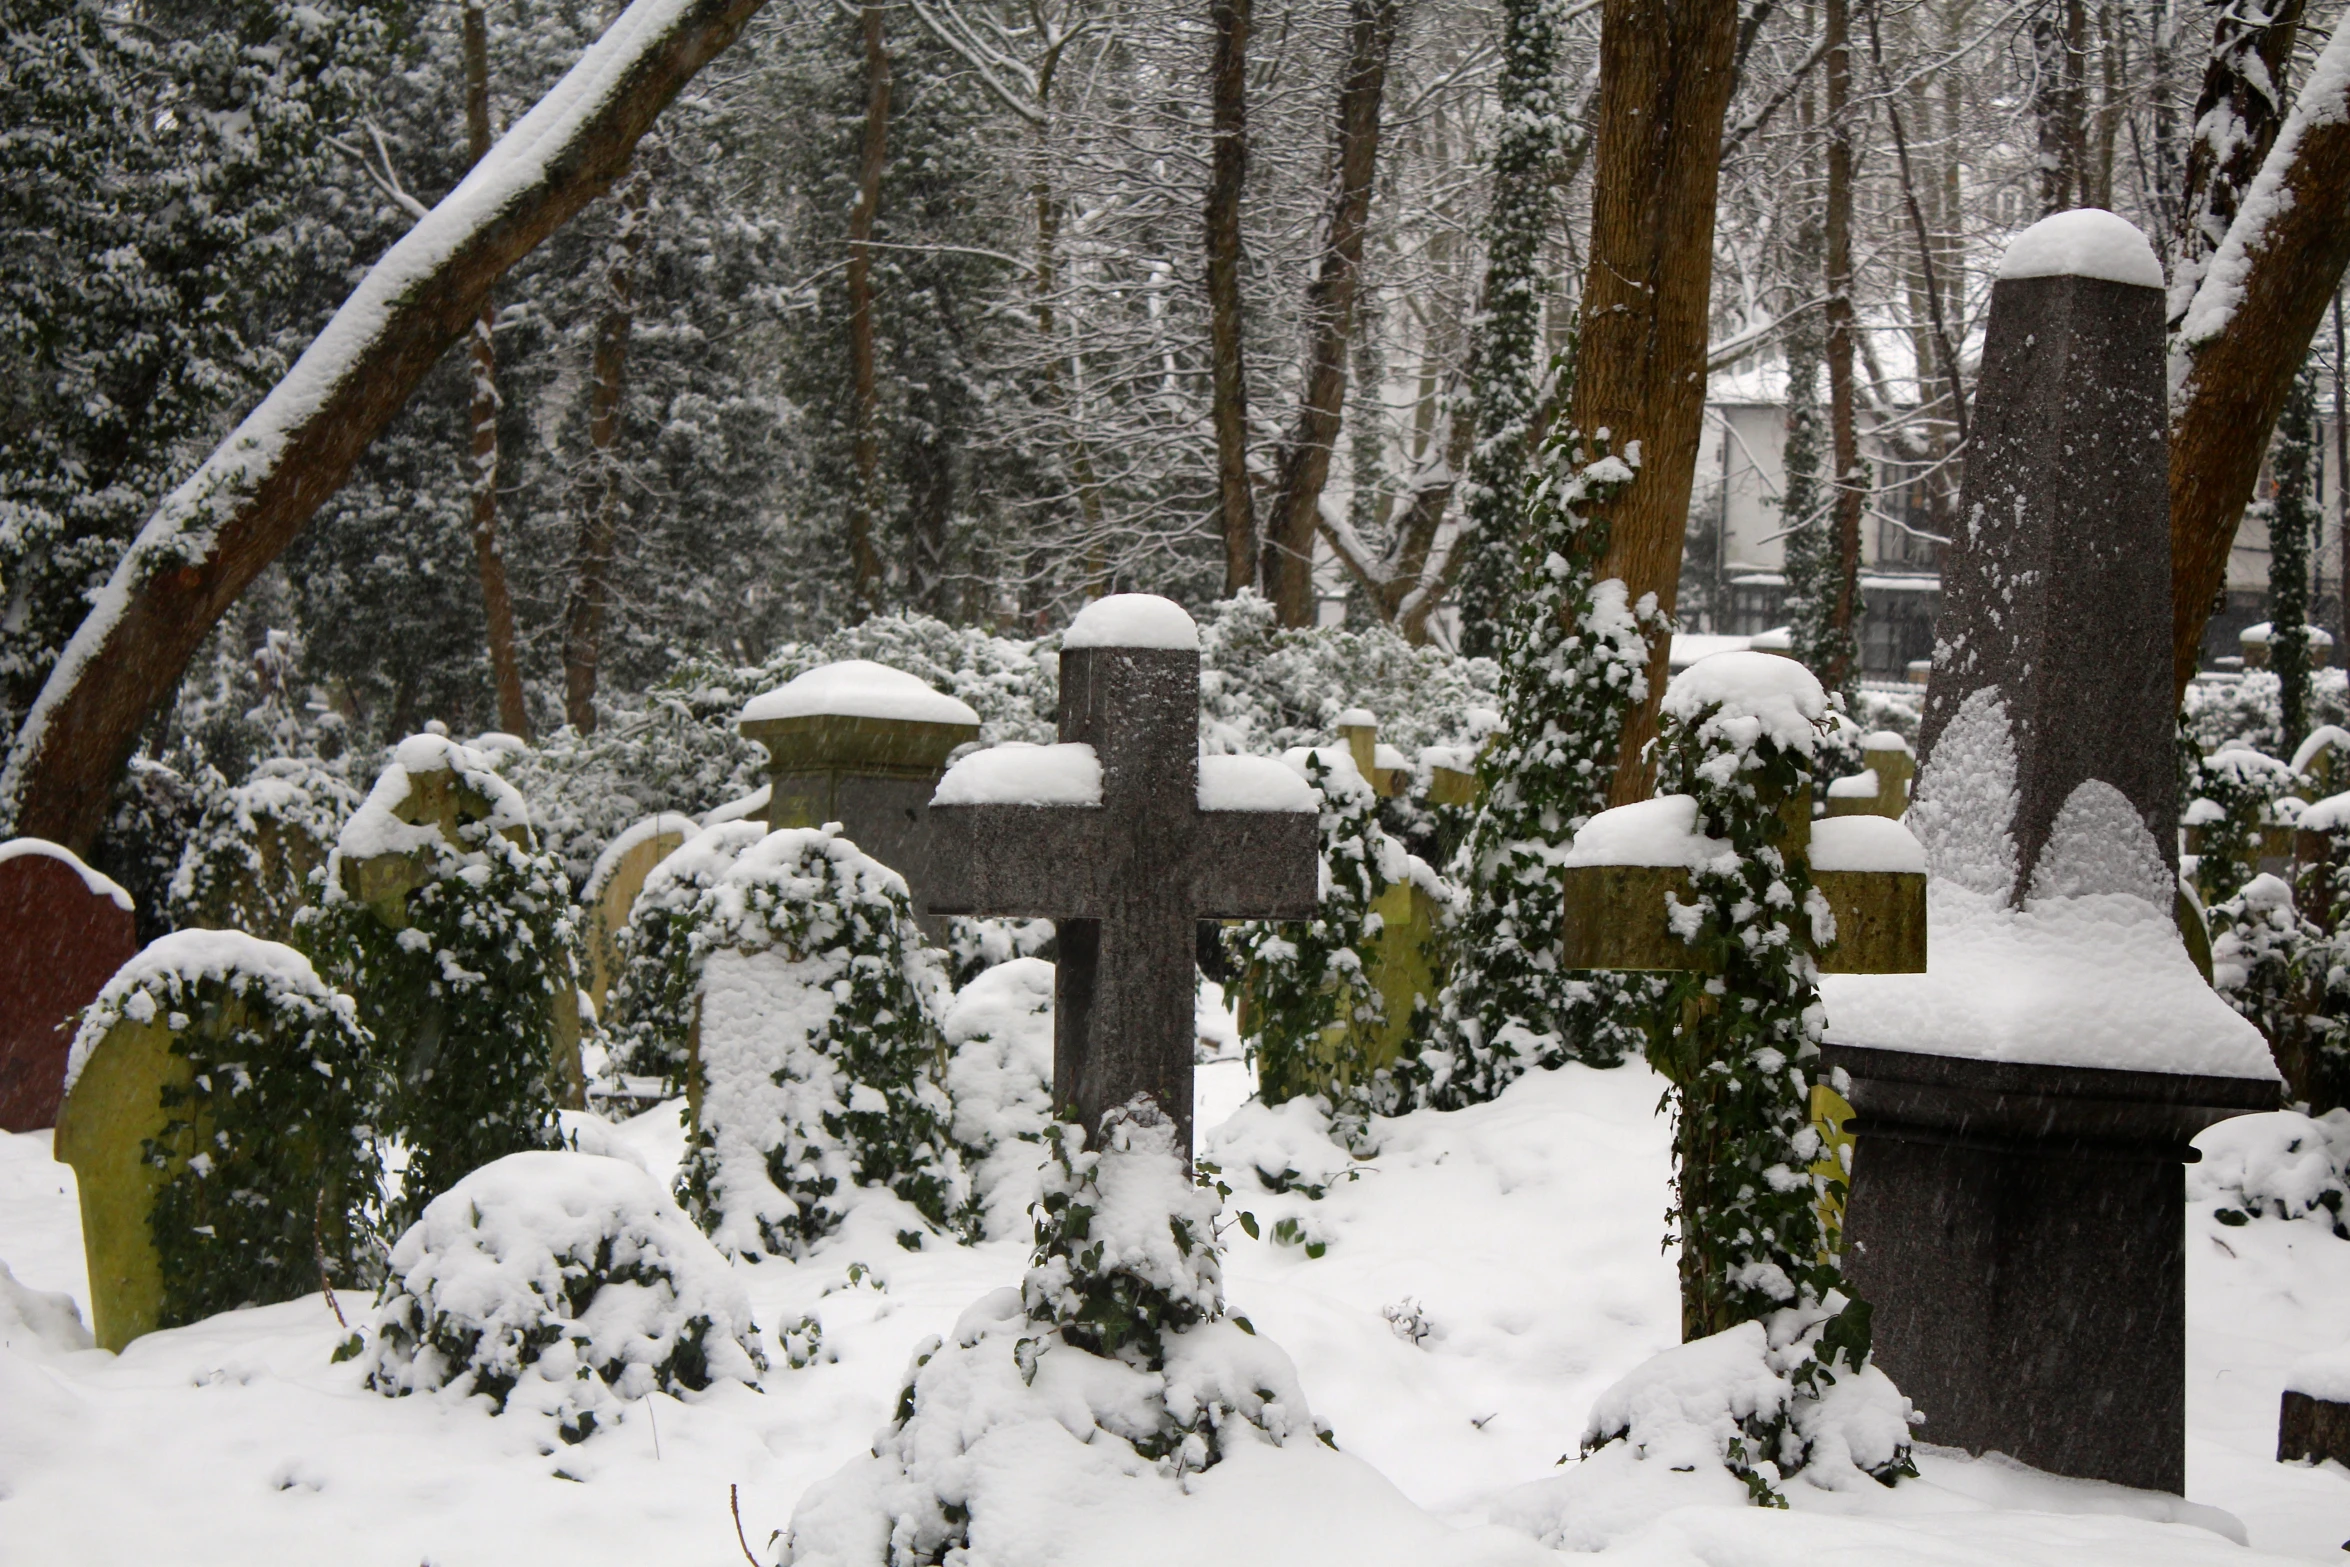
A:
<point x="1124" y="837"/>
<point x="861" y="744"/>
<point x="2016" y="1212"/>
<point x="64" y="930"/>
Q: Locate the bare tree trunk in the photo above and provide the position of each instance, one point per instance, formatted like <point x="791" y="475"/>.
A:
<point x="599" y="521"/>
<point x="2341" y="489"/>
<point x="2237" y="116"/>
<point x="2234" y="358"/>
<point x="864" y="377"/>
<point x="1330" y="312"/>
<point x="213" y="535"/>
<point x="1236" y="517"/>
<point x="497" y="605"/>
<point x="1664" y="85"/>
<point x="1843" y="436"/>
<point x="2059" y="49"/>
<point x="2097" y="191"/>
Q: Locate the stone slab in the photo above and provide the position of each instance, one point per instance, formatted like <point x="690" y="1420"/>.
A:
<point x="1614" y="917"/>
<point x="59" y="944"/>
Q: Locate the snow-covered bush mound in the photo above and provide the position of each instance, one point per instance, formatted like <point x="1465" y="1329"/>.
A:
<point x="1112" y="1367"/>
<point x="818" y="1053"/>
<point x="1292" y="1146"/>
<point x="2281" y="1165"/>
<point x="1000" y="1078"/>
<point x="248" y="859"/>
<point x="1765" y="1401"/>
<point x="31" y="1318"/>
<point x="562" y="1283"/>
<point x="651" y="1009"/>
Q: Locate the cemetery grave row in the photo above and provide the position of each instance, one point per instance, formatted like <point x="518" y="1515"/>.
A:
<point x="2016" y="1043"/>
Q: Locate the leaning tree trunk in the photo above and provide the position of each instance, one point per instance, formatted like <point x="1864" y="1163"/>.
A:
<point x="864" y="376"/>
<point x="214" y="534"/>
<point x="1665" y="79"/>
<point x="2237" y="117"/>
<point x="497" y="605"/>
<point x="1330" y="312"/>
<point x="1236" y="520"/>
<point x="2241" y="341"/>
<point x="599" y="519"/>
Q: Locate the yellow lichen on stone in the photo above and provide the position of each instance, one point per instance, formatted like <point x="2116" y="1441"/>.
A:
<point x="116" y="1106"/>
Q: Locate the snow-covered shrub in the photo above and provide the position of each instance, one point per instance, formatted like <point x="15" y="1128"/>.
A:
<point x="1316" y="1019"/>
<point x="2259" y="947"/>
<point x="562" y="1283"/>
<point x="648" y="755"/>
<point x="1296" y="1146"/>
<point x="248" y="863"/>
<point x="1766" y="1400"/>
<point x="2316" y="1060"/>
<point x="999" y="1077"/>
<point x="31" y="1317"/>
<point x="2281" y="1165"/>
<point x="977" y="943"/>
<point x="1574" y="659"/>
<point x="2232" y="797"/>
<point x="818" y="1052"/>
<point x="1113" y="1365"/>
<point x="455" y="934"/>
<point x="650" y="1013"/>
<point x="273" y="1172"/>
<point x="2246" y="710"/>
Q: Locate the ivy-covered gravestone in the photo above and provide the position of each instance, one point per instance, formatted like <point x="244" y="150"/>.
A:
<point x="249" y="862"/>
<point x="64" y="929"/>
<point x="611" y="890"/>
<point x="454" y="932"/>
<point x="2017" y="1211"/>
<point x="219" y="1114"/>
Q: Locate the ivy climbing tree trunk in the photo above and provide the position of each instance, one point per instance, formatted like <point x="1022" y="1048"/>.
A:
<point x="213" y="535"/>
<point x="2237" y="118"/>
<point x="2292" y="523"/>
<point x="599" y="520"/>
<point x="1664" y="84"/>
<point x="1304" y="467"/>
<point x="497" y="605"/>
<point x="864" y="377"/>
<point x="1236" y="520"/>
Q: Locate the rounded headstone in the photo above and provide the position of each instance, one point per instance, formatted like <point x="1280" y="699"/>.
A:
<point x="64" y="930"/>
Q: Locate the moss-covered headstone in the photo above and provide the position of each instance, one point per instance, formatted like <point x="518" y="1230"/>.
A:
<point x="218" y="1118"/>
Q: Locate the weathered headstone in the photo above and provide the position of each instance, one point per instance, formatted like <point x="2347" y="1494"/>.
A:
<point x="2313" y="1416"/>
<point x="1881" y="788"/>
<point x="1383" y="767"/>
<point x="64" y="930"/>
<point x="2016" y="1214"/>
<point x="611" y="889"/>
<point x="861" y="744"/>
<point x="1125" y="837"/>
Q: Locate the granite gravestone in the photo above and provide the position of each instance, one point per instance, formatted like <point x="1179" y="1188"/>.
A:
<point x="861" y="744"/>
<point x="2016" y="1214"/>
<point x="64" y="930"/>
<point x="1125" y="837"/>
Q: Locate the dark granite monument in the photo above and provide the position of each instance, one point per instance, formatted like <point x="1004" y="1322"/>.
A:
<point x="64" y="930"/>
<point x="1124" y="837"/>
<point x="861" y="744"/>
<point x="2017" y="1206"/>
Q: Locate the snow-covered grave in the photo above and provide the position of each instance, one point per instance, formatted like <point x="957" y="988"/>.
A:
<point x="861" y="744"/>
<point x="1125" y="837"/>
<point x="2016" y="1213"/>
<point x="64" y="929"/>
<point x="1881" y="787"/>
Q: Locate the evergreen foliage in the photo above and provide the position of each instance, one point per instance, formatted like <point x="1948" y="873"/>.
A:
<point x="1574" y="662"/>
<point x="656" y="996"/>
<point x="2231" y="798"/>
<point x="1805" y="508"/>
<point x="463" y="966"/>
<point x="248" y="864"/>
<point x="819" y="1056"/>
<point x="2292" y="521"/>
<point x="274" y="1168"/>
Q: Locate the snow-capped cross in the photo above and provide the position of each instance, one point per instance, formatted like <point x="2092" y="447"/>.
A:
<point x="1125" y="837"/>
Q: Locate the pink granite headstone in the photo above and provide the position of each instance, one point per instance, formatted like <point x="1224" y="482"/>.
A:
<point x="64" y="930"/>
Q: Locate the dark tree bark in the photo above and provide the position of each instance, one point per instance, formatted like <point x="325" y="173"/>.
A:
<point x="1330" y="314"/>
<point x="1850" y="487"/>
<point x="2237" y="116"/>
<point x="1664" y="86"/>
<point x="2060" y="39"/>
<point x="1236" y="520"/>
<point x="497" y="605"/>
<point x="864" y="377"/>
<point x="603" y="499"/>
<point x="212" y="536"/>
<point x="2232" y="367"/>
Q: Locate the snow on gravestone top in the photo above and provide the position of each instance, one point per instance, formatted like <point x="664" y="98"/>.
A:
<point x="858" y="688"/>
<point x="196" y="957"/>
<point x="2085" y="242"/>
<point x="377" y="827"/>
<point x="64" y="928"/>
<point x="1019" y="773"/>
<point x="2047" y="794"/>
<point x="1757" y="695"/>
<point x="1132" y="620"/>
<point x="1253" y="783"/>
<point x="1662" y="832"/>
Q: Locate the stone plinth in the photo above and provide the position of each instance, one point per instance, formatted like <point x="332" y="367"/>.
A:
<point x="64" y="930"/>
<point x="2021" y="1231"/>
<point x="863" y="745"/>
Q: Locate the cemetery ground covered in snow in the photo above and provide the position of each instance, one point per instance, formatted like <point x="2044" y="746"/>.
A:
<point x="1486" y="1276"/>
